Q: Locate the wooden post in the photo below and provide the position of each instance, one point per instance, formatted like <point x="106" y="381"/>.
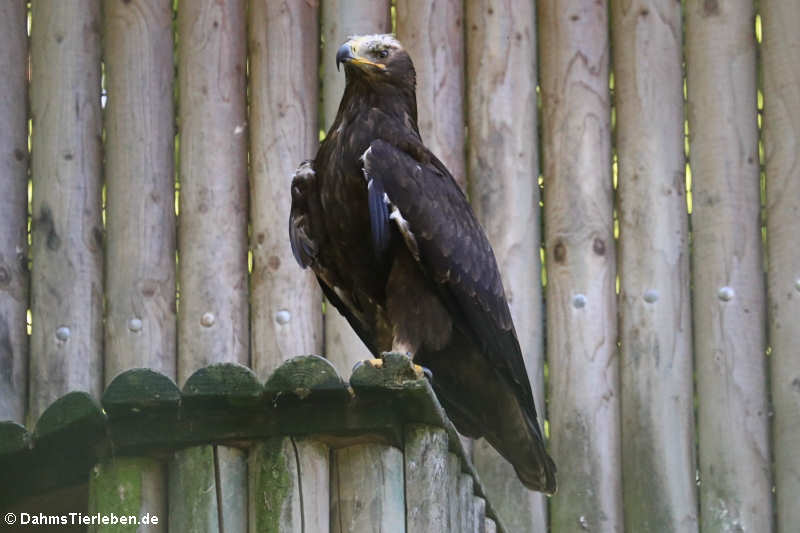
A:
<point x="503" y="175"/>
<point x="581" y="300"/>
<point x="367" y="490"/>
<point x="140" y="188"/>
<point x="207" y="488"/>
<point x="129" y="487"/>
<point x="66" y="280"/>
<point x="426" y="463"/>
<point x="659" y="489"/>
<point x="439" y="61"/>
<point x="289" y="483"/>
<point x="466" y="513"/>
<point x="341" y="18"/>
<point x="213" y="313"/>
<point x="213" y="324"/>
<point x="728" y="297"/>
<point x="286" y="301"/>
<point x="453" y="473"/>
<point x="13" y="210"/>
<point x="781" y="55"/>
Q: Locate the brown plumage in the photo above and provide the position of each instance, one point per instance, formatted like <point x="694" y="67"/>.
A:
<point x="397" y="250"/>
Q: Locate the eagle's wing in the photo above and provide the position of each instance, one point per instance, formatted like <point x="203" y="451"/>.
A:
<point x="423" y="198"/>
<point x="307" y="235"/>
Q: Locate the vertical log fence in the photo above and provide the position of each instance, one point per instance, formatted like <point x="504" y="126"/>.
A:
<point x="635" y="166"/>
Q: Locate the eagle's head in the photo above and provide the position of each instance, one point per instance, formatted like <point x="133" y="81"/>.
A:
<point x="376" y="59"/>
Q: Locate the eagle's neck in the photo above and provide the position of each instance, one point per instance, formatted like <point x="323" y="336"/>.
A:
<point x="398" y="102"/>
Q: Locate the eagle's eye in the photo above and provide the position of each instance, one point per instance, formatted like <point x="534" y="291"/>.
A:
<point x="383" y="53"/>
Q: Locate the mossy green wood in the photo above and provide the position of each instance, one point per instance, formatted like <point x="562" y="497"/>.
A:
<point x="14" y="438"/>
<point x="76" y="415"/>
<point x="199" y="482"/>
<point x="289" y="483"/>
<point x="222" y="385"/>
<point x="426" y="460"/>
<point x="306" y="375"/>
<point x="138" y="390"/>
<point x="125" y="487"/>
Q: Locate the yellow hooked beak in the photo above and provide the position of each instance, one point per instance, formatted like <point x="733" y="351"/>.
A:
<point x="348" y="53"/>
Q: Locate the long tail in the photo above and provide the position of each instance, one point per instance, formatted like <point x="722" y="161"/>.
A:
<point x="482" y="403"/>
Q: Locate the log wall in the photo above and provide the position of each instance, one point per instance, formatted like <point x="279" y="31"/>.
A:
<point x="634" y="163"/>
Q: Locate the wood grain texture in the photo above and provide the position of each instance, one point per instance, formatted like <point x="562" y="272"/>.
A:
<point x="729" y="296"/>
<point x="659" y="488"/>
<point x="581" y="300"/>
<point x="433" y="35"/>
<point x="129" y="486"/>
<point x="425" y="474"/>
<point x="208" y="493"/>
<point x="503" y="169"/>
<point x="780" y="52"/>
<point x="340" y="18"/>
<point x="13" y="210"/>
<point x="280" y="468"/>
<point x="213" y="319"/>
<point x="66" y="279"/>
<point x="286" y="302"/>
<point x="453" y="473"/>
<point x="140" y="188"/>
<point x="466" y="513"/>
<point x="367" y="490"/>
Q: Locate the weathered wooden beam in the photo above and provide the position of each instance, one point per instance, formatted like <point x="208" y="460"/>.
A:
<point x="67" y="240"/>
<point x="659" y="489"/>
<point x="367" y="489"/>
<point x="126" y="487"/>
<point x="780" y="52"/>
<point x="729" y="293"/>
<point x="213" y="319"/>
<point x="286" y="303"/>
<point x="426" y="460"/>
<point x="438" y="58"/>
<point x="140" y="325"/>
<point x="581" y="265"/>
<point x="339" y="19"/>
<point x="13" y="210"/>
<point x="503" y="170"/>
<point x="207" y="488"/>
<point x="289" y="486"/>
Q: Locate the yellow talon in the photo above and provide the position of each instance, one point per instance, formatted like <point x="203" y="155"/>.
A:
<point x="375" y="363"/>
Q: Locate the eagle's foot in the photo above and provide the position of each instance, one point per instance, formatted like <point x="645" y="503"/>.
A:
<point x="391" y="370"/>
<point x="419" y="371"/>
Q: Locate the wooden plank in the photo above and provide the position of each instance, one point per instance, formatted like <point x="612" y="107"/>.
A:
<point x="66" y="279"/>
<point x="13" y="210"/>
<point x="659" y="489"/>
<point x="286" y="301"/>
<point x="426" y="459"/>
<point x="503" y="175"/>
<point x="126" y="487"/>
<point x="438" y="58"/>
<point x="213" y="320"/>
<point x="729" y="292"/>
<point x="453" y="472"/>
<point x="207" y="490"/>
<point x="780" y="52"/>
<point x="490" y="526"/>
<point x="479" y="514"/>
<point x="289" y="482"/>
<point x="140" y="188"/>
<point x="340" y="18"/>
<point x="466" y="513"/>
<point x="367" y="490"/>
<point x="581" y="300"/>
